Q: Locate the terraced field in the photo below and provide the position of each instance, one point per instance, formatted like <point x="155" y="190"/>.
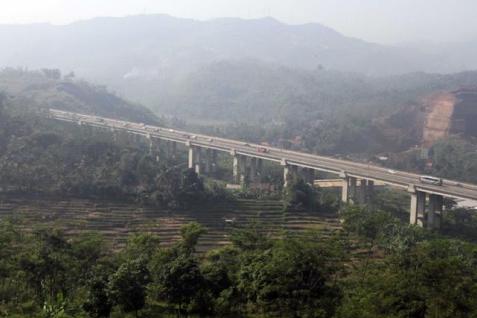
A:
<point x="115" y="221"/>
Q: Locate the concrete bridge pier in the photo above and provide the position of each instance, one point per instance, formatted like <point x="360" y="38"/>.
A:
<point x="259" y="176"/>
<point x="308" y="175"/>
<point x="418" y="208"/>
<point x="363" y="187"/>
<point x="289" y="172"/>
<point x="194" y="161"/>
<point x="345" y="190"/>
<point x="253" y="170"/>
<point x="213" y="164"/>
<point x="198" y="160"/>
<point x="151" y="145"/>
<point x="172" y="149"/>
<point x="434" y="215"/>
<point x="208" y="162"/>
<point x="352" y="190"/>
<point x="192" y="154"/>
<point x="348" y="192"/>
<point x="235" y="169"/>
<point x="239" y="169"/>
<point x="365" y="193"/>
<point x="155" y="148"/>
<point x="370" y="191"/>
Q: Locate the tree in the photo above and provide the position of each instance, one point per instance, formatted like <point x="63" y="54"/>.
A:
<point x="220" y="269"/>
<point x="128" y="285"/>
<point x="293" y="278"/>
<point x="299" y="195"/>
<point x="365" y="222"/>
<point x="436" y="278"/>
<point x="49" y="267"/>
<point x="179" y="279"/>
<point x="142" y="246"/>
<point x="190" y="235"/>
<point x="252" y="237"/>
<point x="98" y="303"/>
<point x="192" y="188"/>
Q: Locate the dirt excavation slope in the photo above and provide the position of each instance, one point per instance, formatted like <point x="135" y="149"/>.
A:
<point x="439" y="113"/>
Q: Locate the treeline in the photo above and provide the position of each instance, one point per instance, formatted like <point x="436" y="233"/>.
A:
<point x="375" y="267"/>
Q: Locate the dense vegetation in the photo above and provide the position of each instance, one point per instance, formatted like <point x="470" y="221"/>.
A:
<point x="38" y="155"/>
<point x="376" y="267"/>
<point x="453" y="157"/>
<point x="318" y="111"/>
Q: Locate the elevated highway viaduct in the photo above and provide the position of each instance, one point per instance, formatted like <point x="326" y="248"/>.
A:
<point x="358" y="179"/>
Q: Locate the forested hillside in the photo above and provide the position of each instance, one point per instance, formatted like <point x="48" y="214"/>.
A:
<point x="47" y="88"/>
<point x="321" y="111"/>
<point x="40" y="155"/>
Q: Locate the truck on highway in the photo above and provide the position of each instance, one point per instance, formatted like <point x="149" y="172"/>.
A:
<point x="431" y="180"/>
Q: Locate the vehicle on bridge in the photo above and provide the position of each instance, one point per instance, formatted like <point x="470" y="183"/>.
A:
<point x="431" y="180"/>
<point x="263" y="150"/>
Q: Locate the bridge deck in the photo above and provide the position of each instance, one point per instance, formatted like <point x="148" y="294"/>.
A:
<point x="405" y="180"/>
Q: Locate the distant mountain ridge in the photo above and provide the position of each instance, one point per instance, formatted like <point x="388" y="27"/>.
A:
<point x="153" y="49"/>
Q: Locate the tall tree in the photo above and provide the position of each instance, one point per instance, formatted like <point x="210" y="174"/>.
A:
<point x="128" y="286"/>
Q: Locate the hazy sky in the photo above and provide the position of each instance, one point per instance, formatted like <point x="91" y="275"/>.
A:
<point x="386" y="21"/>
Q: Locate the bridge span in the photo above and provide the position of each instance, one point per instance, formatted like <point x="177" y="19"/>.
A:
<point x="358" y="179"/>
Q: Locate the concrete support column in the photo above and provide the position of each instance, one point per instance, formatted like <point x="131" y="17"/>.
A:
<point x="436" y="203"/>
<point x="352" y="189"/>
<point x="288" y="173"/>
<point x="253" y="169"/>
<point x="198" y="161"/>
<point x="243" y="168"/>
<point x="115" y="136"/>
<point x="308" y="175"/>
<point x="213" y="158"/>
<point x="239" y="167"/>
<point x="173" y="149"/>
<point x="345" y="191"/>
<point x="151" y="146"/>
<point x="192" y="155"/>
<point x="207" y="161"/>
<point x="363" y="189"/>
<point x="370" y="191"/>
<point x="259" y="176"/>
<point x="418" y="208"/>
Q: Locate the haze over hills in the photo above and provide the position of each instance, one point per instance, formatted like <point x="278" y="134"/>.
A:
<point x="289" y="81"/>
<point x="28" y="91"/>
<point x="136" y="55"/>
